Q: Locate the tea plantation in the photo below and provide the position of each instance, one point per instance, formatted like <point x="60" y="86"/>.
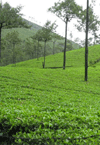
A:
<point x="51" y="106"/>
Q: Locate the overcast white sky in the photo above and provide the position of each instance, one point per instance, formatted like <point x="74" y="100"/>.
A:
<point x="36" y="11"/>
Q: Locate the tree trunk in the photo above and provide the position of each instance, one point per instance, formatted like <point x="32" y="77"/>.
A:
<point x="32" y="55"/>
<point x="38" y="50"/>
<point x="0" y="35"/>
<point x="44" y="54"/>
<point x="35" y="52"/>
<point x="13" y="53"/>
<point x="94" y="38"/>
<point x="53" y="47"/>
<point x="64" y="62"/>
<point x="0" y="44"/>
<point x="86" y="43"/>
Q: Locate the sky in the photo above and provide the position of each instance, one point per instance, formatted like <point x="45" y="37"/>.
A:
<point x="37" y="12"/>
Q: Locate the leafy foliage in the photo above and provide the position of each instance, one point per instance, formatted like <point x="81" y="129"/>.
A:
<point x="67" y="8"/>
<point x="13" y="37"/>
<point x="11" y="17"/>
<point x="93" y="20"/>
<point x="47" y="30"/>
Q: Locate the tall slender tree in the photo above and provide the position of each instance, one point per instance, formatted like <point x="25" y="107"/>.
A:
<point x="30" y="48"/>
<point x="66" y="10"/>
<point x="47" y="35"/>
<point x="13" y="39"/>
<point x="86" y="43"/>
<point x="38" y="36"/>
<point x="71" y="37"/>
<point x="55" y="37"/>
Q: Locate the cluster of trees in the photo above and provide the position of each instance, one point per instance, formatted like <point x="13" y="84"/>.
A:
<point x="13" y="49"/>
<point x="10" y="48"/>
<point x="47" y="33"/>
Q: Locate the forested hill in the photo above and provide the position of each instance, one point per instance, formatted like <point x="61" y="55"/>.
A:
<point x="23" y="32"/>
<point x="25" y="48"/>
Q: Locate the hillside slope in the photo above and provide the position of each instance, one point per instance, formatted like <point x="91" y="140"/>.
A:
<point x="26" y="33"/>
<point x="74" y="58"/>
<point x="23" y="32"/>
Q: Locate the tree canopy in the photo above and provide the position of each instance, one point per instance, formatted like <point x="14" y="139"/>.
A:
<point x="93" y="21"/>
<point x="47" y="30"/>
<point x="67" y="8"/>
<point x="10" y="18"/>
